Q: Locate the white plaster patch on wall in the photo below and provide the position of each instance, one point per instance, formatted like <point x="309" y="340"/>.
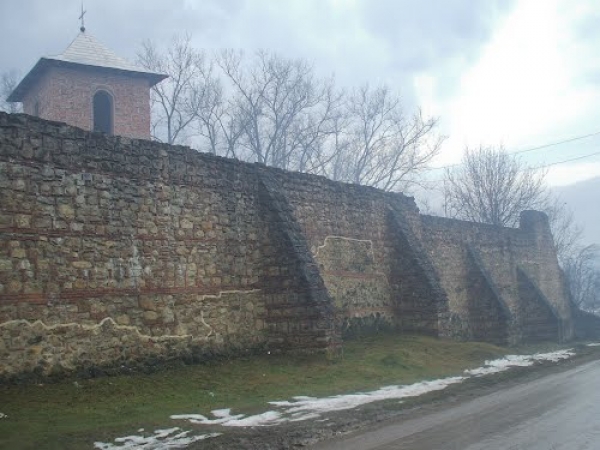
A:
<point x="361" y="293"/>
<point x="210" y="329"/>
<point x="115" y="325"/>
<point x="135" y="266"/>
<point x="102" y="323"/>
<point x="228" y="292"/>
<point x="315" y="251"/>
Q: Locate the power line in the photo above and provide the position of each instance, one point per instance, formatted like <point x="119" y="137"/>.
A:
<point x="542" y="167"/>
<point x="577" y="138"/>
<point x="539" y="147"/>
<point x="567" y="160"/>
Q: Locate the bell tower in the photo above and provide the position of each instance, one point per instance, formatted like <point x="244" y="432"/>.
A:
<point x="90" y="87"/>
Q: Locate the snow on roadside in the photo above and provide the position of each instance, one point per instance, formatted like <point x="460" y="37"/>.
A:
<point x="167" y="439"/>
<point x="503" y="364"/>
<point x="306" y="408"/>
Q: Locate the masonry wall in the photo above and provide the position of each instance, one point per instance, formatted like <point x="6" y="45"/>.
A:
<point x="117" y="253"/>
<point x="66" y="95"/>
<point x="364" y="242"/>
<point x="114" y="251"/>
<point x="500" y="276"/>
<point x="344" y="227"/>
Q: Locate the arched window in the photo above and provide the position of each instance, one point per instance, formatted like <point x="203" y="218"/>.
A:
<point x="103" y="112"/>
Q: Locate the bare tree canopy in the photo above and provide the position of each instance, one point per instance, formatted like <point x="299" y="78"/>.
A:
<point x="491" y="186"/>
<point x="267" y="108"/>
<point x="8" y="82"/>
<point x="582" y="272"/>
<point x="177" y="101"/>
<point x="284" y="111"/>
<point x="381" y="145"/>
<point x="566" y="232"/>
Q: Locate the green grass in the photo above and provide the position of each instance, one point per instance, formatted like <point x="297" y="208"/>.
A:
<point x="72" y="415"/>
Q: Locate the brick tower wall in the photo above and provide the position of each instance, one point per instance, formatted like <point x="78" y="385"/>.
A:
<point x="65" y="94"/>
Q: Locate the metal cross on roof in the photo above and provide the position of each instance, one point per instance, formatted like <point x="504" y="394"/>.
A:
<point x="82" y="18"/>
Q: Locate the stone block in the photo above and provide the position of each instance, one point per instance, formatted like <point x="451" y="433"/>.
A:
<point x="150" y="316"/>
<point x="18" y="253"/>
<point x="22" y="220"/>
<point x="66" y="212"/>
<point x="82" y="264"/>
<point x="123" y="319"/>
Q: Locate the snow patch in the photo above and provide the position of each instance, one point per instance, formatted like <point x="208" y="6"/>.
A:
<point x="169" y="438"/>
<point x="503" y="364"/>
<point x="3" y="416"/>
<point x="305" y="408"/>
<point x="593" y="344"/>
<point x="308" y="408"/>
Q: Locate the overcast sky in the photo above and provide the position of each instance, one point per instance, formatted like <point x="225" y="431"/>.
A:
<point x="520" y="73"/>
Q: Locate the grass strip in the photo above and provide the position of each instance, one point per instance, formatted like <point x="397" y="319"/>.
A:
<point x="74" y="413"/>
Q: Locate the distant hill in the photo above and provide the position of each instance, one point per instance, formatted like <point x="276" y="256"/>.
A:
<point x="584" y="199"/>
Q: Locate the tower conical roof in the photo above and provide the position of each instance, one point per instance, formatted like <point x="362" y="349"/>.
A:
<point x="87" y="50"/>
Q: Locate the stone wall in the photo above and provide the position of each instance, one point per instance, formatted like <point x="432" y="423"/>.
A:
<point x="490" y="318"/>
<point x="344" y="228"/>
<point x="117" y="252"/>
<point x="500" y="278"/>
<point x="364" y="242"/>
<point x="157" y="250"/>
<point x="422" y="304"/>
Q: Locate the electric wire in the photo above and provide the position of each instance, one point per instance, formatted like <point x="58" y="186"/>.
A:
<point x="438" y="180"/>
<point x="539" y="147"/>
<point x="567" y="160"/>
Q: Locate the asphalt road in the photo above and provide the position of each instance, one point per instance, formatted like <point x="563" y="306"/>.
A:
<point x="558" y="412"/>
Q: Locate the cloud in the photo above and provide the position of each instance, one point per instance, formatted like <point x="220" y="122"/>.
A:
<point x="531" y="86"/>
<point x="521" y="72"/>
<point x="359" y="40"/>
<point x="420" y="36"/>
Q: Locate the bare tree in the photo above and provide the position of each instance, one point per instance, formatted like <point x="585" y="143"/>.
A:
<point x="218" y="119"/>
<point x="190" y="87"/>
<point x="276" y="111"/>
<point x="566" y="232"/>
<point x="381" y="145"/>
<point x="491" y="186"/>
<point x="283" y="109"/>
<point x="212" y="117"/>
<point x="582" y="272"/>
<point x="8" y="82"/>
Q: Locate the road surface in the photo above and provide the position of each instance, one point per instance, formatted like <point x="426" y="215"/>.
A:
<point x="558" y="412"/>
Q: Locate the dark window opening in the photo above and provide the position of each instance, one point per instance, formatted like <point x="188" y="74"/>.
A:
<point x="103" y="112"/>
<point x="36" y="108"/>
